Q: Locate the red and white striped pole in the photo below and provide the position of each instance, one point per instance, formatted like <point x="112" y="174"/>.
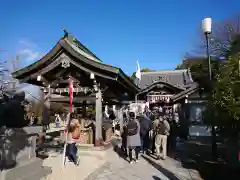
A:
<point x="70" y="90"/>
<point x="70" y="83"/>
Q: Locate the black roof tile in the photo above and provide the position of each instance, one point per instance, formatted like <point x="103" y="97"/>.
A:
<point x="178" y="78"/>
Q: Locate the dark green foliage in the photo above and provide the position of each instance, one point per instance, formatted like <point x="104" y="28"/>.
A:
<point x="13" y="112"/>
<point x="226" y="95"/>
<point x="234" y="46"/>
<point x="200" y="71"/>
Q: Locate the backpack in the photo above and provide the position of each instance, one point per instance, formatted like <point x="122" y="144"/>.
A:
<point x="132" y="128"/>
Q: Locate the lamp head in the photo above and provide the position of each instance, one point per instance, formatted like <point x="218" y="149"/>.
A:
<point x="207" y="25"/>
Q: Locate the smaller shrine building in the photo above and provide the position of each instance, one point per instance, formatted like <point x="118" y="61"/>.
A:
<point x="175" y="92"/>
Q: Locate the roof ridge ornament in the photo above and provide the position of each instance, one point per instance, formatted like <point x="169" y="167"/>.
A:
<point x="65" y="33"/>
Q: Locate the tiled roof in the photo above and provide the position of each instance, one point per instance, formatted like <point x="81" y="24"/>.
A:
<point x="178" y="78"/>
<point x="192" y="89"/>
<point x="80" y="48"/>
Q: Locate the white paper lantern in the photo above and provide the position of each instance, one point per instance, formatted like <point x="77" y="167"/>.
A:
<point x="39" y="77"/>
<point x="92" y="76"/>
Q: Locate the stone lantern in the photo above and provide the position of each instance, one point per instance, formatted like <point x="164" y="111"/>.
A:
<point x="18" y="143"/>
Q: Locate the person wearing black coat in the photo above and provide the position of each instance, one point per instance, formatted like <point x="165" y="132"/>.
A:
<point x="144" y="132"/>
<point x="124" y="140"/>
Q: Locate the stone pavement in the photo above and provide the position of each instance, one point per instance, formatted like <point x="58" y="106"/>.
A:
<point x="146" y="169"/>
<point x="113" y="167"/>
<point x="71" y="172"/>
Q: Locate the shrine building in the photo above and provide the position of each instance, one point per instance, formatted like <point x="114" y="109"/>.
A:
<point x="94" y="83"/>
<point x="175" y="92"/>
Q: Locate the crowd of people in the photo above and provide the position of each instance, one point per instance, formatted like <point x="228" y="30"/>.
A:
<point x="148" y="133"/>
<point x="143" y="132"/>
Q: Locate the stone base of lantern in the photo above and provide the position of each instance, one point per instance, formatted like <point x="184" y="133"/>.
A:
<point x="18" y="157"/>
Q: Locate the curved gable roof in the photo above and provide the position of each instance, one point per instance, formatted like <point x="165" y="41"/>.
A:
<point x="79" y="47"/>
<point x="155" y="84"/>
<point x="65" y="44"/>
<point x="78" y="51"/>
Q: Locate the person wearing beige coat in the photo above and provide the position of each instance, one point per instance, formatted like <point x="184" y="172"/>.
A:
<point x="161" y="131"/>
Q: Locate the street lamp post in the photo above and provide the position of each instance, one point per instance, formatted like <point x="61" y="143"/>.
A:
<point x="207" y="28"/>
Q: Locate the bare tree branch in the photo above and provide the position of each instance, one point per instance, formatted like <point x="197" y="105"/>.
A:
<point x="6" y="80"/>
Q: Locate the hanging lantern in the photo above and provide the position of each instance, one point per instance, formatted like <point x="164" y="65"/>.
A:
<point x="186" y="100"/>
<point x="92" y="76"/>
<point x="168" y="99"/>
<point x="39" y="77"/>
<point x="85" y="91"/>
<point x="95" y="86"/>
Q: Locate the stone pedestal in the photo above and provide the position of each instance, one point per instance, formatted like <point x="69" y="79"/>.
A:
<point x="17" y="154"/>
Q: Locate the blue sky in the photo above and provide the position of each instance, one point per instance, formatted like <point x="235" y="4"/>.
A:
<point x="157" y="33"/>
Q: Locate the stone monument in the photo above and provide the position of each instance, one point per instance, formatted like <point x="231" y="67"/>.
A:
<point x="18" y="160"/>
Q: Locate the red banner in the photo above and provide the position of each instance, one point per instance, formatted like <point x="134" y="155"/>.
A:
<point x="70" y="94"/>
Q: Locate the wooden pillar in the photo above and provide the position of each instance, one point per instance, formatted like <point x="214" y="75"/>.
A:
<point x="45" y="106"/>
<point x="98" y="107"/>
